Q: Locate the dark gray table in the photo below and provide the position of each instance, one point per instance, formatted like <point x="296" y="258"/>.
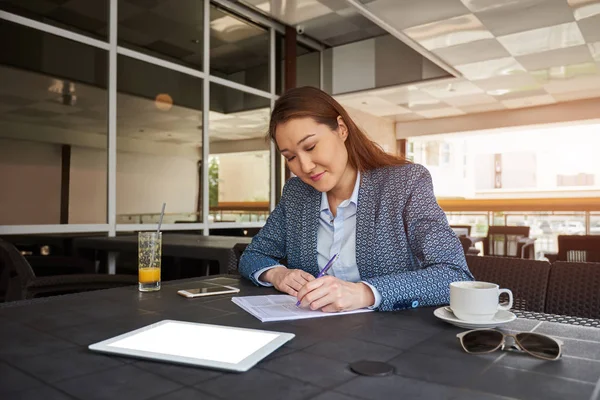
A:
<point x="43" y="354"/>
<point x="217" y="248"/>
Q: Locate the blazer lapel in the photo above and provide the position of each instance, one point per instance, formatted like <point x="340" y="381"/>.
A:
<point x="309" y="227"/>
<point x="365" y="225"/>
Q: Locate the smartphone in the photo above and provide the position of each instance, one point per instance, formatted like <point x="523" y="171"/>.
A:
<point x="207" y="291"/>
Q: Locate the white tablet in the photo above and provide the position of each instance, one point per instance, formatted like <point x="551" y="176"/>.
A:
<point x="203" y="345"/>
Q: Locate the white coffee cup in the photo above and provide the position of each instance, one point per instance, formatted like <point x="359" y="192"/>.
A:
<point x="477" y="301"/>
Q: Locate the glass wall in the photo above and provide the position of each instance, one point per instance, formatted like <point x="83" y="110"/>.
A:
<point x="53" y="129"/>
<point x="58" y="133"/>
<point x="159" y="143"/>
<point x="239" y="49"/>
<point x="89" y="18"/>
<point x="168" y="29"/>
<point x="239" y="171"/>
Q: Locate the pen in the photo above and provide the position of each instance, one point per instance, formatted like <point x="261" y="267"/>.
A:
<point x="324" y="270"/>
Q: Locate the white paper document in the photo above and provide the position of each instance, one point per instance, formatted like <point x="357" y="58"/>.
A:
<point x="281" y="307"/>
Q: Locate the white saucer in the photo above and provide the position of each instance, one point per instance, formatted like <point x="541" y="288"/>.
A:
<point x="501" y="317"/>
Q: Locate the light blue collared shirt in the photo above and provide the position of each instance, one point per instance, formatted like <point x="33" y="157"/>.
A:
<point x="338" y="235"/>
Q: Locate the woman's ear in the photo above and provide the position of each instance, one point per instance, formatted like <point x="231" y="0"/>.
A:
<point x="342" y="128"/>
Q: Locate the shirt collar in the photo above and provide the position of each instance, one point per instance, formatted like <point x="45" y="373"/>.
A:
<point x="353" y="197"/>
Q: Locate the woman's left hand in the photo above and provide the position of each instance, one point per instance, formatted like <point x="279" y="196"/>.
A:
<point x="330" y="294"/>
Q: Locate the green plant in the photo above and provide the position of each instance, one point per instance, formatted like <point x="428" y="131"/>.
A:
<point x="213" y="182"/>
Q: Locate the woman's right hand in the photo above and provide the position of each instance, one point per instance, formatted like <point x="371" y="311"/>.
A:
<point x="285" y="280"/>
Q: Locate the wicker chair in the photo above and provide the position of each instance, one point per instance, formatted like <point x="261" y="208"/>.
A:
<point x="574" y="289"/>
<point x="509" y="241"/>
<point x="19" y="282"/>
<point x="527" y="279"/>
<point x="466" y="243"/>
<point x="578" y="248"/>
<point x="238" y="250"/>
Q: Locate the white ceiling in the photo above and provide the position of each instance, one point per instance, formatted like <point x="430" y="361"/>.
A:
<point x="511" y="53"/>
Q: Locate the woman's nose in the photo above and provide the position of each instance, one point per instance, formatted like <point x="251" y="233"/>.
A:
<point x="306" y="164"/>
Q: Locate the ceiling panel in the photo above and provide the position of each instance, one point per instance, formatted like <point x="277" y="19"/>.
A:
<point x="506" y="17"/>
<point x="590" y="28"/>
<point x="406" y="14"/>
<point x="507" y="82"/>
<point x="490" y="68"/>
<point x="552" y="58"/>
<point x="543" y="39"/>
<point x="468" y="53"/>
<point x="532" y="101"/>
<point x="450" y="32"/>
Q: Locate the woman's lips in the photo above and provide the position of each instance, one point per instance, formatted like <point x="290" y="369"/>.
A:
<point x="317" y="176"/>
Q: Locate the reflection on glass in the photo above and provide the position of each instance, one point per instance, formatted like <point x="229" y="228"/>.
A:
<point x="239" y="164"/>
<point x="85" y="17"/>
<point x="167" y="29"/>
<point x="53" y="157"/>
<point x="239" y="50"/>
<point x="159" y="139"/>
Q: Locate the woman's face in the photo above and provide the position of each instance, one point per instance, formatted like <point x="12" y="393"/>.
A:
<point x="314" y="152"/>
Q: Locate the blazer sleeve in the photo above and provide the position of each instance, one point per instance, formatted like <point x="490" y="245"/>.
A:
<point x="434" y="244"/>
<point x="268" y="246"/>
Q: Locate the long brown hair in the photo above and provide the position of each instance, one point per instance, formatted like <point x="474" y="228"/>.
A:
<point x="307" y="101"/>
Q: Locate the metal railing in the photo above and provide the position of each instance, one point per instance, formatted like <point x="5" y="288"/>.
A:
<point x="545" y="226"/>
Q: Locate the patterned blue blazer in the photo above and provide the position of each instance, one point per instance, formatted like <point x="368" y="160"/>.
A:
<point x="404" y="245"/>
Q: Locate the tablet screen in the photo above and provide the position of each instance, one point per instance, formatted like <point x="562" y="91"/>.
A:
<point x="206" y="342"/>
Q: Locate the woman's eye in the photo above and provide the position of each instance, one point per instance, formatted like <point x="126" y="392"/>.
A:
<point x="291" y="158"/>
<point x="311" y="148"/>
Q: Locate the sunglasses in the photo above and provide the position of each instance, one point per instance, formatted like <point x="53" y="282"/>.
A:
<point x="482" y="341"/>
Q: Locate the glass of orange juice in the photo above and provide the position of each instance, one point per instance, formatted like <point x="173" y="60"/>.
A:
<point x="149" y="256"/>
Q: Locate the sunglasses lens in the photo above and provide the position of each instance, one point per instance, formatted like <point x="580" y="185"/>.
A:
<point x="539" y="345"/>
<point x="482" y="341"/>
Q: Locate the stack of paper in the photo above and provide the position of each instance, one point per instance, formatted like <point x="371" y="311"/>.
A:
<point x="281" y="307"/>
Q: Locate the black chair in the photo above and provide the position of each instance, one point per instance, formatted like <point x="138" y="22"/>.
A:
<point x="574" y="289"/>
<point x="238" y="250"/>
<point x="509" y="241"/>
<point x="579" y="248"/>
<point x="60" y="265"/>
<point x="466" y="243"/>
<point x="527" y="279"/>
<point x="19" y="282"/>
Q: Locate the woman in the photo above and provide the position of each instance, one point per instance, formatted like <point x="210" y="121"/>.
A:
<point x="349" y="197"/>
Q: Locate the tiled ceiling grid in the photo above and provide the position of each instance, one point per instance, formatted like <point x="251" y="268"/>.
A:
<point x="512" y="53"/>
